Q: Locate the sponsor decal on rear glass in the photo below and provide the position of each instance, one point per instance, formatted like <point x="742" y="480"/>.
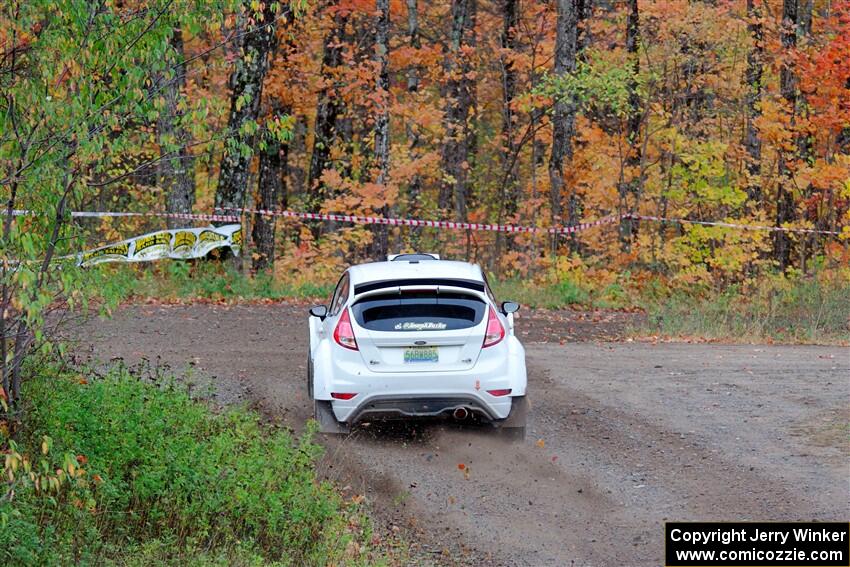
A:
<point x="424" y="326"/>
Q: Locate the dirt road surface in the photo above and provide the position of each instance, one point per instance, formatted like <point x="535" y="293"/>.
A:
<point x="622" y="436"/>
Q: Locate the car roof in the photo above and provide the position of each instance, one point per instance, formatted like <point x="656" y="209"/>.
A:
<point x="444" y="269"/>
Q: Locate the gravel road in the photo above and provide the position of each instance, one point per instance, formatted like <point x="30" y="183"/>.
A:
<point x="623" y="436"/>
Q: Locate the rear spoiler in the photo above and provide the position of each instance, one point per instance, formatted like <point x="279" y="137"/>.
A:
<point x="371" y="286"/>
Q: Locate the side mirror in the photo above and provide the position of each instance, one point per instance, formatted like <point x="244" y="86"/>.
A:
<point x="320" y="311"/>
<point x="510" y="307"/>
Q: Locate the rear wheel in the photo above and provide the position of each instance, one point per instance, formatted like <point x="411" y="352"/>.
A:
<point x="513" y="428"/>
<point x="324" y="415"/>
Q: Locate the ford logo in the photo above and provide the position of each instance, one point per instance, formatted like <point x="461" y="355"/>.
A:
<point x="420" y="343"/>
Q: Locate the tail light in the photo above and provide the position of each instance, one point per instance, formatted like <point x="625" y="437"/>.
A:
<point x="499" y="393"/>
<point x="344" y="333"/>
<point x="342" y="395"/>
<point x="495" y="331"/>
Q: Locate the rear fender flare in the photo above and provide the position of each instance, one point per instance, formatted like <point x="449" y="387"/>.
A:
<point x="516" y="366"/>
<point x="322" y="370"/>
<point x="314" y="325"/>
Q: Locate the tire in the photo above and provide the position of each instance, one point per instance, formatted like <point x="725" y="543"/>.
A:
<point x="324" y="415"/>
<point x="513" y="427"/>
<point x="309" y="376"/>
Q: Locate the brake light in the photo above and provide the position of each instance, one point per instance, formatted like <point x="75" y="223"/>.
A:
<point x="495" y="331"/>
<point x="342" y="396"/>
<point x="344" y="333"/>
<point x="498" y="393"/>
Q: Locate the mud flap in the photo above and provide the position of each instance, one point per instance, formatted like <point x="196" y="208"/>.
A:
<point x="324" y="415"/>
<point x="513" y="427"/>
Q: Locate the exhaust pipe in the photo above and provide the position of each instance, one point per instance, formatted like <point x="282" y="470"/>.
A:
<point x="460" y="414"/>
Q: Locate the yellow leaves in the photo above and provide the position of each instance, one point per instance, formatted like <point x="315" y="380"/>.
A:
<point x="828" y="175"/>
<point x="332" y="179"/>
<point x="424" y="166"/>
<point x="12" y="462"/>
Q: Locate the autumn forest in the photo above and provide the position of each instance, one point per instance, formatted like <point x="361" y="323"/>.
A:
<point x="546" y="114"/>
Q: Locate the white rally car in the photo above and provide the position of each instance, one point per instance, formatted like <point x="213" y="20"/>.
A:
<point x="412" y="337"/>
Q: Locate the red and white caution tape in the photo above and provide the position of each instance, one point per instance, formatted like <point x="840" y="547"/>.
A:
<point x="451" y="225"/>
<point x="732" y="225"/>
<point x="103" y="214"/>
<point x="512" y="228"/>
<point x="231" y="215"/>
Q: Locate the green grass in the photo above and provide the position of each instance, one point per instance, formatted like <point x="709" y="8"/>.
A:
<point x="769" y="308"/>
<point x="167" y="482"/>
<point x="199" y="280"/>
<point x="563" y="294"/>
<point x="773" y="309"/>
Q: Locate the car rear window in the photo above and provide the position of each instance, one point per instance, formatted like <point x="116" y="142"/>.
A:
<point x="419" y="311"/>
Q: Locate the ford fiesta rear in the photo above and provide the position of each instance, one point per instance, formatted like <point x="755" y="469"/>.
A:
<point x="409" y="350"/>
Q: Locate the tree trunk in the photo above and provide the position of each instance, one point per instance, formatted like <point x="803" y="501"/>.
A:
<point x="508" y="42"/>
<point x="629" y="185"/>
<point x="564" y="114"/>
<point x="246" y="85"/>
<point x="298" y="157"/>
<point x="271" y="195"/>
<point x="176" y="170"/>
<point x="584" y="10"/>
<point x="509" y="194"/>
<point x="454" y="191"/>
<point x="785" y="205"/>
<point x="755" y="66"/>
<point x="382" y="120"/>
<point x="414" y="189"/>
<point x="327" y="112"/>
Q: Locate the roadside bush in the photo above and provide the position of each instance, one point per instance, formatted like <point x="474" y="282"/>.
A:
<point x="148" y="476"/>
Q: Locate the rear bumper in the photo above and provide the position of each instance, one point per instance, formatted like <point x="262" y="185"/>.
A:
<point x="423" y="406"/>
